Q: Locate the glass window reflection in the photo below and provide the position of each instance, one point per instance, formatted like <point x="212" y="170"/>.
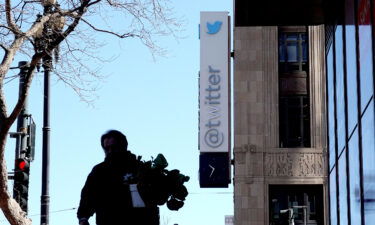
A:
<point x="351" y="77"/>
<point x="368" y="150"/>
<point x="331" y="110"/>
<point x="340" y="101"/>
<point x="293" y="47"/>
<point x="354" y="175"/>
<point x="333" y="199"/>
<point x="365" y="51"/>
<point x="343" y="203"/>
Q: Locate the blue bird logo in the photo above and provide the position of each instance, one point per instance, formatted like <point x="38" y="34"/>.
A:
<point x="214" y="28"/>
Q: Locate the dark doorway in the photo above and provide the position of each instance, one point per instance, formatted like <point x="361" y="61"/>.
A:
<point x="296" y="199"/>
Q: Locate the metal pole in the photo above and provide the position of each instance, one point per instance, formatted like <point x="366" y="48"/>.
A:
<point x="21" y="120"/>
<point x="47" y="64"/>
<point x="21" y="138"/>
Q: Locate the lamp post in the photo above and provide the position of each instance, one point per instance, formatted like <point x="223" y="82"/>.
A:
<point x="43" y="41"/>
<point x="47" y="66"/>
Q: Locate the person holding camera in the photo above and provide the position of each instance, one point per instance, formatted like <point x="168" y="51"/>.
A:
<point x="111" y="191"/>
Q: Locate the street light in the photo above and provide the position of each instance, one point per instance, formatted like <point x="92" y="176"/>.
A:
<point x="55" y="24"/>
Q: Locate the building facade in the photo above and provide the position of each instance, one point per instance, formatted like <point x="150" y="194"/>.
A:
<point x="279" y="131"/>
<point x="350" y="82"/>
<point x="304" y="112"/>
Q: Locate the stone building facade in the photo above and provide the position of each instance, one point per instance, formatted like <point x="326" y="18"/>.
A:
<point x="270" y="176"/>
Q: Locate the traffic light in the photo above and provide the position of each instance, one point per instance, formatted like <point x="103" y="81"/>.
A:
<point x="21" y="182"/>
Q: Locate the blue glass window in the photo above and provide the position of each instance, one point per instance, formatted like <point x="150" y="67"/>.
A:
<point x="340" y="100"/>
<point x="365" y="51"/>
<point x="343" y="194"/>
<point x="331" y="110"/>
<point x="351" y="66"/>
<point x="354" y="174"/>
<point x="368" y="151"/>
<point x="333" y="199"/>
<point x="292" y="47"/>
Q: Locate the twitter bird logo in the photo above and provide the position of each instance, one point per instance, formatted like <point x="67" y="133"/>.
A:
<point x="214" y="28"/>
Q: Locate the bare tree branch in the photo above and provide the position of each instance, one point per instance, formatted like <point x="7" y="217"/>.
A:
<point x="9" y="17"/>
<point x="34" y="29"/>
<point x="4" y="48"/>
<point x="25" y="89"/>
<point x="9" y="56"/>
<point x="8" y="28"/>
<point x="126" y="35"/>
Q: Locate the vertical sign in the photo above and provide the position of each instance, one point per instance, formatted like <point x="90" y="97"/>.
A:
<point x="214" y="83"/>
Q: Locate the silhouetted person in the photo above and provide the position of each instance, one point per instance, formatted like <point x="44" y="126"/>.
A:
<point x="107" y="191"/>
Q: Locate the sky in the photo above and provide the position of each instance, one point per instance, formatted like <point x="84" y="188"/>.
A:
<point x="153" y="102"/>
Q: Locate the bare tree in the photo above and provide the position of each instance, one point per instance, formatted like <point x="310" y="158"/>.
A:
<point x="41" y="30"/>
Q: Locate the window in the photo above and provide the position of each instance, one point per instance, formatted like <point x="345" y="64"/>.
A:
<point x="339" y="81"/>
<point x="333" y="197"/>
<point x="331" y="110"/>
<point x="354" y="174"/>
<point x="368" y="146"/>
<point x="294" y="103"/>
<point x="294" y="121"/>
<point x="343" y="194"/>
<point x="292" y="52"/>
<point x="365" y="51"/>
<point x="305" y="202"/>
<point x="351" y="63"/>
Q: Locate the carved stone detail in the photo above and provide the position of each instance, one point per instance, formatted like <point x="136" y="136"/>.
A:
<point x="294" y="164"/>
<point x="311" y="165"/>
<point x="249" y="148"/>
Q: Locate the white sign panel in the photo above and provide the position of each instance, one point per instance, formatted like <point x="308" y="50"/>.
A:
<point x="214" y="83"/>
